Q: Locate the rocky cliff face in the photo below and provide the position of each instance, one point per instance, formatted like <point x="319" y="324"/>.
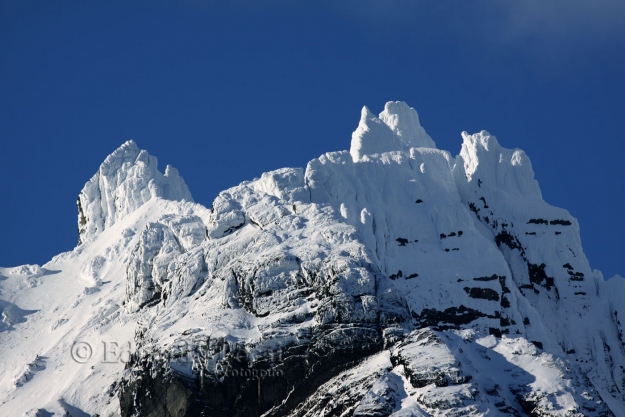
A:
<point x="391" y="279"/>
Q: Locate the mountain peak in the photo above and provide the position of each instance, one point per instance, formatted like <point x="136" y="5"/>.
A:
<point x="127" y="179"/>
<point x="404" y="121"/>
<point x="397" y="128"/>
<point x="127" y="152"/>
<point x="372" y="136"/>
<point x="396" y="279"/>
<point x="495" y="167"/>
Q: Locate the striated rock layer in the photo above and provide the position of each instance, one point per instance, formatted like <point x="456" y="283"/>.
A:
<point x="388" y="280"/>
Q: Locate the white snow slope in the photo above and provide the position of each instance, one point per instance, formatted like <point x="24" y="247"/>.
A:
<point x="412" y="283"/>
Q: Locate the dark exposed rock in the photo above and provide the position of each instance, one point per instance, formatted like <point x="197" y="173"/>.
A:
<point x="511" y="241"/>
<point x="171" y="394"/>
<point x="402" y="241"/>
<point x="502" y="282"/>
<point x="483" y="293"/>
<point x="495" y="332"/>
<point x="491" y="278"/>
<point x="575" y="276"/>
<point x="82" y="221"/>
<point x="560" y="222"/>
<point x="233" y="228"/>
<point x="448" y="318"/>
<point x="399" y="274"/>
<point x="241" y="388"/>
<point x="538" y="275"/>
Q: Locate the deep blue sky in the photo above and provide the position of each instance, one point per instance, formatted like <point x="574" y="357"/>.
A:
<point x="226" y="92"/>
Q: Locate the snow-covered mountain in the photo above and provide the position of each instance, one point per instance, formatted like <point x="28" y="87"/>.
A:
<point x="390" y="279"/>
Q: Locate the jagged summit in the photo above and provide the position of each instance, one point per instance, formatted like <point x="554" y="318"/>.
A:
<point x="127" y="179"/>
<point x="391" y="280"/>
<point x="396" y="129"/>
<point x="509" y="170"/>
<point x="404" y="121"/>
